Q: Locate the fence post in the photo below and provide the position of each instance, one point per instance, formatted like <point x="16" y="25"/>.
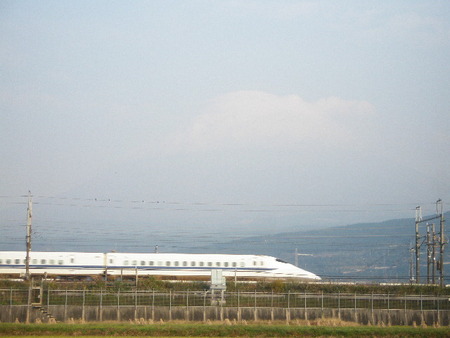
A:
<point x="239" y="306"/>
<point x="10" y="304"/>
<point x="288" y="310"/>
<point x="271" y="307"/>
<point x="438" y="313"/>
<point x="339" y="304"/>
<point x="135" y="300"/>
<point x="371" y="309"/>
<point x="153" y="304"/>
<point x="101" y="305"/>
<point x="65" y="307"/>
<point x="421" y="303"/>
<point x="187" y="305"/>
<point x="255" y="317"/>
<point x="204" y="306"/>
<point x="170" y="304"/>
<point x="83" y="309"/>
<point x="118" y="305"/>
<point x="306" y="313"/>
<point x="322" y="304"/>
<point x="406" y="318"/>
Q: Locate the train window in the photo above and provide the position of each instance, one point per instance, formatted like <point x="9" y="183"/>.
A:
<point x="34" y="261"/>
<point x="52" y="262"/>
<point x="234" y="264"/>
<point x="261" y="263"/>
<point x="60" y="262"/>
<point x="202" y="263"/>
<point x="111" y="261"/>
<point x="134" y="263"/>
<point x="151" y="263"/>
<point x="1" y="261"/>
<point x="217" y="263"/>
<point x="8" y="261"/>
<point x="192" y="263"/>
<point x="254" y="263"/>
<point x="168" y="263"/>
<point x="242" y="264"/>
<point x="159" y="263"/>
<point x="209" y="263"/>
<point x="17" y="261"/>
<point x="184" y="263"/>
<point x="72" y="260"/>
<point x="142" y="262"/>
<point x="177" y="263"/>
<point x="226" y="264"/>
<point x="43" y="261"/>
<point x="125" y="262"/>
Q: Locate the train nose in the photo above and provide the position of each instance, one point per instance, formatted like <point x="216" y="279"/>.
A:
<point x="300" y="273"/>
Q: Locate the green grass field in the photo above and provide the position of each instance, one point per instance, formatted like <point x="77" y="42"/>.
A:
<point x="214" y="330"/>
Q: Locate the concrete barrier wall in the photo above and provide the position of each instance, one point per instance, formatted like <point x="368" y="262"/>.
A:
<point x="144" y="314"/>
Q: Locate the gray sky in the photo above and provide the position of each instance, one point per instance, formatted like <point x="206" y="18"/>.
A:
<point x="243" y="114"/>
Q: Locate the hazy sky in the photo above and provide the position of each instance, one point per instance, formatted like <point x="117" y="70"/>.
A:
<point x="264" y="113"/>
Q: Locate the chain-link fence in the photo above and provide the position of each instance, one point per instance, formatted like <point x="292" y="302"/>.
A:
<point x="288" y="300"/>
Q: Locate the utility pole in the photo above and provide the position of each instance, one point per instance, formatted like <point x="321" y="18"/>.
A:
<point x="411" y="268"/>
<point x="442" y="242"/>
<point x="433" y="255"/>
<point x="28" y="237"/>
<point x="431" y="260"/>
<point x="417" y="248"/>
<point x="299" y="254"/>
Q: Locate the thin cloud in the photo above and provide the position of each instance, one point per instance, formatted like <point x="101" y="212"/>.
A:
<point x="252" y="118"/>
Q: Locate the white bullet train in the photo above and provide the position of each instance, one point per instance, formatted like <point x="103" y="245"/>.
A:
<point x="154" y="264"/>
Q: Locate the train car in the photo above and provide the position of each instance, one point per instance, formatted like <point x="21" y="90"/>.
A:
<point x="154" y="264"/>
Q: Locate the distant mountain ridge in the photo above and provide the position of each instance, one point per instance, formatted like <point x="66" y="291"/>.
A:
<point x="377" y="251"/>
